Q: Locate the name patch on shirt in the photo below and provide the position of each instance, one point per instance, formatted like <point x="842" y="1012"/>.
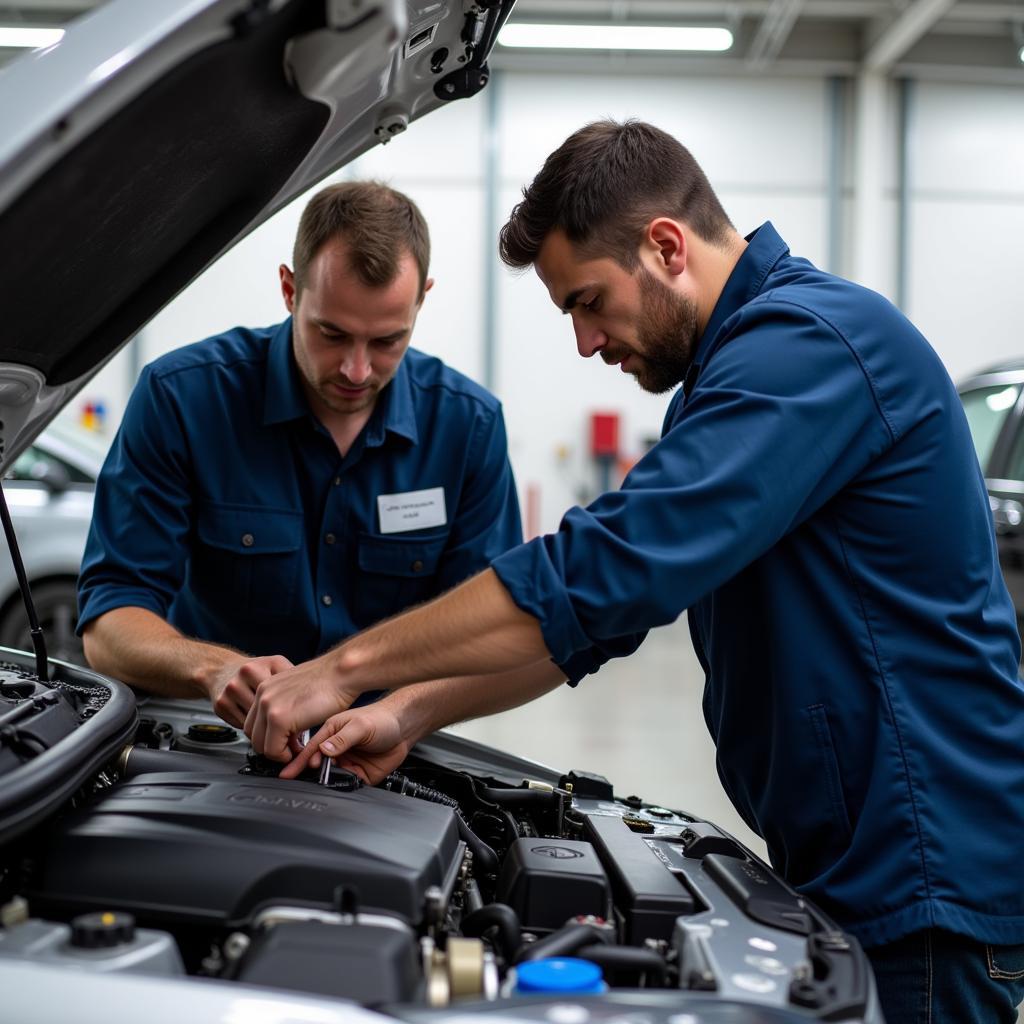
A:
<point x="413" y="510"/>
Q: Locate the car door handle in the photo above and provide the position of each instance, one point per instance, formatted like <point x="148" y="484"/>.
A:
<point x="1008" y="516"/>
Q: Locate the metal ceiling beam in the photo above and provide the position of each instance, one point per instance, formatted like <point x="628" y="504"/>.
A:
<point x="907" y="29"/>
<point x="773" y="32"/>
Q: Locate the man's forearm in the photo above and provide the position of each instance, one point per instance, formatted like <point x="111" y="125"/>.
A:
<point x="474" y="630"/>
<point x="138" y="647"/>
<point x="423" y="708"/>
<point x="373" y="740"/>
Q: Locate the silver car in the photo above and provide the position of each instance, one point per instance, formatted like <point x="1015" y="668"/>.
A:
<point x="49" y="490"/>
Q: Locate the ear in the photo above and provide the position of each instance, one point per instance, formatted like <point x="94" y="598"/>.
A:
<point x="287" y="287"/>
<point x="667" y="238"/>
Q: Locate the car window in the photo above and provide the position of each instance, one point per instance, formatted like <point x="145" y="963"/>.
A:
<point x="34" y="464"/>
<point x="987" y="409"/>
<point x="1015" y="469"/>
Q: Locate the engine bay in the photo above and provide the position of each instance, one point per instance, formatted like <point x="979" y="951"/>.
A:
<point x="174" y="852"/>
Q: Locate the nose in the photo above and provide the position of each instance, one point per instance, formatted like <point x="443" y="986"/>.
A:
<point x="355" y="364"/>
<point x="589" y="339"/>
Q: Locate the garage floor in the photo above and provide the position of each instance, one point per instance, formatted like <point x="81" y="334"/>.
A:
<point x="638" y="722"/>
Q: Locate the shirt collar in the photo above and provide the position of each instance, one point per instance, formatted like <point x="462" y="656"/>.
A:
<point x="394" y="413"/>
<point x="764" y="249"/>
<point x="285" y="399"/>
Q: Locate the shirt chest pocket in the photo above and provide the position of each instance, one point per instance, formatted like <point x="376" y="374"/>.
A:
<point x="396" y="572"/>
<point x="248" y="556"/>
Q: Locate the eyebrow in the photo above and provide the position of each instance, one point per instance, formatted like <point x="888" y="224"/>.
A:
<point x="327" y="325"/>
<point x="574" y="297"/>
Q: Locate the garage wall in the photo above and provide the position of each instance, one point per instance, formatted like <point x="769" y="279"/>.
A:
<point x="766" y="145"/>
<point x="966" y="221"/>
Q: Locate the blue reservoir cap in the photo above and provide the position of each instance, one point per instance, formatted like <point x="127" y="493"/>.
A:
<point x="559" y="974"/>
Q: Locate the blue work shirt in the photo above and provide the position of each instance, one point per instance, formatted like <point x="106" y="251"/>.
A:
<point x="816" y="503"/>
<point x="225" y="506"/>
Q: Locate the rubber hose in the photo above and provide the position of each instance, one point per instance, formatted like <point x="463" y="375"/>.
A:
<point x="140" y="760"/>
<point x="484" y="857"/>
<point x="627" y="958"/>
<point x="519" y="797"/>
<point x="504" y="919"/>
<point x="565" y="941"/>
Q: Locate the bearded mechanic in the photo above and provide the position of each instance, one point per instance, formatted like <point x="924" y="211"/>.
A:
<point x="272" y="491"/>
<point x="816" y="504"/>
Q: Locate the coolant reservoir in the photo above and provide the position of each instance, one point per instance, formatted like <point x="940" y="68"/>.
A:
<point x="103" y="942"/>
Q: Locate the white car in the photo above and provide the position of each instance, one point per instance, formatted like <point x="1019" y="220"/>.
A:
<point x="150" y="865"/>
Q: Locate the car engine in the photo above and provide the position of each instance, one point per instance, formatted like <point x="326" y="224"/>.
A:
<point x="150" y="840"/>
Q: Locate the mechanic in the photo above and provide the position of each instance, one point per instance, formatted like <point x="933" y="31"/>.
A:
<point x="273" y="491"/>
<point x="816" y="504"/>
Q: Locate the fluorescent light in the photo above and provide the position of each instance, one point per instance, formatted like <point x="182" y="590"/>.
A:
<point x="615" y="37"/>
<point x="1021" y="54"/>
<point x="29" y="38"/>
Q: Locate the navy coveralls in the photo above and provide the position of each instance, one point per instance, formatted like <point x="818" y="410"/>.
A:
<point x="816" y="503"/>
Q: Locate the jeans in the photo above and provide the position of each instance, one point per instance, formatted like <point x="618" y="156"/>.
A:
<point x="935" y="977"/>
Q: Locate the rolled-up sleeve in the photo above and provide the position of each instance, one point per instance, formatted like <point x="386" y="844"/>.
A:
<point x="783" y="416"/>
<point x="136" y="551"/>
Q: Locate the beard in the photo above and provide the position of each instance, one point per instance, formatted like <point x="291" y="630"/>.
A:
<point x="666" y="335"/>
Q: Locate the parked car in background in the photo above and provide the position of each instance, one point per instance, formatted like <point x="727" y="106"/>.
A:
<point x="994" y="402"/>
<point x="49" y="491"/>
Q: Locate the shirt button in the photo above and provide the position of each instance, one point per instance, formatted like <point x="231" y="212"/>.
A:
<point x="329" y="539"/>
<point x="417" y="566"/>
<point x="248" y="540"/>
<point x="327" y="600"/>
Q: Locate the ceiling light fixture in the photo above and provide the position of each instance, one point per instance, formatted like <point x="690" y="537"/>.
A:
<point x="22" y="37"/>
<point x="615" y="37"/>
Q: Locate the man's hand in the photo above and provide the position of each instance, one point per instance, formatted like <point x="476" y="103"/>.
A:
<point x="367" y="741"/>
<point x="233" y="688"/>
<point x="288" y="702"/>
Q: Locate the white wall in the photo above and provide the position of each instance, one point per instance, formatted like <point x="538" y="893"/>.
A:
<point x="966" y="222"/>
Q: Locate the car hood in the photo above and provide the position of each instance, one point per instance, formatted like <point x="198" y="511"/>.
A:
<point x="157" y="134"/>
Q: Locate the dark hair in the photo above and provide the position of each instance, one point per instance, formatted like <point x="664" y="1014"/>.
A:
<point x="603" y="186"/>
<point x="378" y="223"/>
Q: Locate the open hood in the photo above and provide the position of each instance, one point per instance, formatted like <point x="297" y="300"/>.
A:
<point x="157" y="133"/>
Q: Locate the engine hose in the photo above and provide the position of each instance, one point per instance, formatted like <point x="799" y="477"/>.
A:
<point x="486" y="859"/>
<point x="484" y="856"/>
<point x="627" y="958"/>
<point x="501" y="917"/>
<point x="565" y="942"/>
<point x="519" y="797"/>
<point x="401" y="784"/>
<point x="140" y="760"/>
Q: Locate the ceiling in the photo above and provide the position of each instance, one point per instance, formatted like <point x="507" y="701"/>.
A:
<point x="976" y="40"/>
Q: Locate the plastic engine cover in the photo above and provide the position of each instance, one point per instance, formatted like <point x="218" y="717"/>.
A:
<point x="212" y="849"/>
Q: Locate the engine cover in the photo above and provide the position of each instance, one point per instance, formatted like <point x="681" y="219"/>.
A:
<point x="212" y="849"/>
